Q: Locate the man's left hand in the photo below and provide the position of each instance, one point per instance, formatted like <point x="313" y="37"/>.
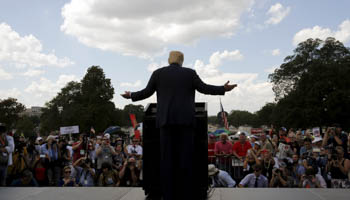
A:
<point x="229" y="87"/>
<point x="126" y="95"/>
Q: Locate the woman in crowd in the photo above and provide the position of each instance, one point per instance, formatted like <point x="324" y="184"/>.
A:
<point x="251" y="159"/>
<point x="339" y="167"/>
<point x="39" y="169"/>
<point x="67" y="180"/>
<point x="109" y="177"/>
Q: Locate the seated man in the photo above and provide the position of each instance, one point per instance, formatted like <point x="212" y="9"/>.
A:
<point x="220" y="178"/>
<point x="255" y="179"/>
<point x="26" y="180"/>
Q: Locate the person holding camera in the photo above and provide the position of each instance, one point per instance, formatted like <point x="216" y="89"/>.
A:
<point x="83" y="172"/>
<point x="39" y="169"/>
<point x="339" y="167"/>
<point x="119" y="157"/>
<point x="104" y="153"/>
<point x="297" y="170"/>
<point x="7" y="146"/>
<point x="335" y="137"/>
<point x="54" y="168"/>
<point x="79" y="147"/>
<point x="19" y="158"/>
<point x="130" y="173"/>
<point x="280" y="177"/>
<point x="109" y="177"/>
<point x="312" y="180"/>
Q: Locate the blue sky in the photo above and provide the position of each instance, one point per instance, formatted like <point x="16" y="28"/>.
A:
<point x="45" y="44"/>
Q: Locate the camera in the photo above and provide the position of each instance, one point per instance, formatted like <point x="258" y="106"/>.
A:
<point x="276" y="171"/>
<point x="334" y="156"/>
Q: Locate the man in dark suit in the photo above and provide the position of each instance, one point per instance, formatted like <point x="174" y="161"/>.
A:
<point x="175" y="86"/>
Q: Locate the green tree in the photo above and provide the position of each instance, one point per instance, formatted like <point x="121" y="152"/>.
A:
<point x="238" y="118"/>
<point x="265" y="114"/>
<point x="312" y="85"/>
<point x="27" y="125"/>
<point x="9" y="112"/>
<point x="86" y="103"/>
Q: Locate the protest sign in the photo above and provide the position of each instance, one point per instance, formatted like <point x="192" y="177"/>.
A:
<point x="69" y="130"/>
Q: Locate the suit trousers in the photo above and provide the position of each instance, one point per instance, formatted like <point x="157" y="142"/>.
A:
<point x="177" y="153"/>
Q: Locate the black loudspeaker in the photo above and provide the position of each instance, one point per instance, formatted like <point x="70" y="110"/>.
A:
<point x="151" y="151"/>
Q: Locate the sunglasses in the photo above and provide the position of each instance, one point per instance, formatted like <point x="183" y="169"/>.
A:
<point x="67" y="172"/>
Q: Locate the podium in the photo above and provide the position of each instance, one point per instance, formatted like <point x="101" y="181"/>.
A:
<point x="151" y="151"/>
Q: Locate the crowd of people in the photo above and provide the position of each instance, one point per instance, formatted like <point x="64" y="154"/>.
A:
<point x="283" y="158"/>
<point x="91" y="160"/>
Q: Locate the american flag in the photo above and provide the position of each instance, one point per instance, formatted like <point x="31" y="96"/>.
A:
<point x="223" y="116"/>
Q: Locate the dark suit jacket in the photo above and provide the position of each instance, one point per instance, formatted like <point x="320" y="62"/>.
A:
<point x="175" y="86"/>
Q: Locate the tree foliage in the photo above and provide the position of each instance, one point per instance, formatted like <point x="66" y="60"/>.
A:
<point x="86" y="103"/>
<point x="9" y="112"/>
<point x="238" y="118"/>
<point x="312" y="85"/>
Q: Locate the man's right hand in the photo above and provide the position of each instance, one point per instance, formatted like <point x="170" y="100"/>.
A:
<point x="126" y="95"/>
<point x="229" y="87"/>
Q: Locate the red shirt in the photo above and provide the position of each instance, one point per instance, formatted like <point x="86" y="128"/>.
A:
<point x="40" y="174"/>
<point x="240" y="149"/>
<point x="77" y="154"/>
<point x="221" y="147"/>
<point x="211" y="153"/>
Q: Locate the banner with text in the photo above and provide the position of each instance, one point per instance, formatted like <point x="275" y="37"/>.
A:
<point x="69" y="130"/>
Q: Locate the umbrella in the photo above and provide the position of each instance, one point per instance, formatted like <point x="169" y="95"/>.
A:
<point x="219" y="131"/>
<point x="112" y="129"/>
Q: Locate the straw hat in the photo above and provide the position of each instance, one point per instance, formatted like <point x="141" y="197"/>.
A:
<point x="212" y="170"/>
<point x="176" y="57"/>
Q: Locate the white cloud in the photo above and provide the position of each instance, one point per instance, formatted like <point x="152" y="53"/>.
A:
<point x="33" y="73"/>
<point x="270" y="70"/>
<point x="215" y="61"/>
<point x="277" y="13"/>
<point x="5" y="75"/>
<point x="342" y="34"/>
<point x="276" y="52"/>
<point x="14" y="93"/>
<point x="26" y="50"/>
<point x="134" y="85"/>
<point x="251" y="94"/>
<point x="46" y="89"/>
<point x="145" y="28"/>
<point x="154" y="66"/>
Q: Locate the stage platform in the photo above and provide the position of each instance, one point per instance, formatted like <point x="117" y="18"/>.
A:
<point x="104" y="193"/>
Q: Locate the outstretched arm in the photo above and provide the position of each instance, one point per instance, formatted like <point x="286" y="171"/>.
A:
<point x="211" y="89"/>
<point x="145" y="93"/>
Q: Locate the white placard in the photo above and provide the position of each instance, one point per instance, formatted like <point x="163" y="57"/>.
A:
<point x="316" y="132"/>
<point x="69" y="129"/>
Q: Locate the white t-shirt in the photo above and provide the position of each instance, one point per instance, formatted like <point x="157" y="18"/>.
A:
<point x="134" y="149"/>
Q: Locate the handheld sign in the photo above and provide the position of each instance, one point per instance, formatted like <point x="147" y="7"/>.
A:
<point x="69" y="130"/>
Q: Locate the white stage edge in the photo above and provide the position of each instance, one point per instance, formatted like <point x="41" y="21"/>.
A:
<point x="119" y="193"/>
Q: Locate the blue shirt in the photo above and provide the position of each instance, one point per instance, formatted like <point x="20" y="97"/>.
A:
<point x="250" y="179"/>
<point x="223" y="179"/>
<point x="83" y="176"/>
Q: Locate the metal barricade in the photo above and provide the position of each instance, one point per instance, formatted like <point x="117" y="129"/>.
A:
<point x="228" y="163"/>
<point x="237" y="169"/>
